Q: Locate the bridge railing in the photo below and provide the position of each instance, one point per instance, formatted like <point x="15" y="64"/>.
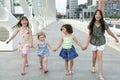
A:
<point x="82" y="26"/>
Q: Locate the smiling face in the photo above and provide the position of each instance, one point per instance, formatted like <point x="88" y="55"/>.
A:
<point x="97" y="16"/>
<point x="42" y="38"/>
<point x="24" y="22"/>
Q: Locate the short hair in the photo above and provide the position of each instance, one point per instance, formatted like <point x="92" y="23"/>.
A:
<point x="41" y="34"/>
<point x="68" y="28"/>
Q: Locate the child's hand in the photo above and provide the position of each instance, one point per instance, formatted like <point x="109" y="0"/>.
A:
<point x="7" y="42"/>
<point x="54" y="50"/>
<point x="117" y="40"/>
<point x="84" y="48"/>
<point x="31" y="46"/>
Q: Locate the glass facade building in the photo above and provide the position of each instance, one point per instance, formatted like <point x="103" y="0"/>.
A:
<point x="71" y="9"/>
<point x="112" y="7"/>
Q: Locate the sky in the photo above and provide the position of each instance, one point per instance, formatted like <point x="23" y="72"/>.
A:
<point x="61" y="5"/>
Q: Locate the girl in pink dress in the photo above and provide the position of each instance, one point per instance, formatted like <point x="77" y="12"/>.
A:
<point x="25" y="40"/>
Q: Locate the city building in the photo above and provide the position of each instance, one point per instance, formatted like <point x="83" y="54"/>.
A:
<point x="109" y="7"/>
<point x="112" y="8"/>
<point x="71" y="9"/>
<point x="80" y="10"/>
<point x="87" y="10"/>
<point x="89" y="2"/>
<point x="101" y="5"/>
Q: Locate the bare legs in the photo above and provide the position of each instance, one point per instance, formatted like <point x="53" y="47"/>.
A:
<point x="43" y="63"/>
<point x="71" y="66"/>
<point x="98" y="55"/>
<point x="25" y="61"/>
<point x="94" y="57"/>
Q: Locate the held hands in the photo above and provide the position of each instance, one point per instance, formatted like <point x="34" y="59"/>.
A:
<point x="7" y="42"/>
<point x="54" y="50"/>
<point x="117" y="40"/>
<point x="84" y="47"/>
<point x="30" y="45"/>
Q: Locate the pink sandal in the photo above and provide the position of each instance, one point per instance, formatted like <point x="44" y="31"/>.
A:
<point x="45" y="71"/>
<point x="67" y="72"/>
<point x="23" y="73"/>
<point x="70" y="72"/>
<point x="26" y="65"/>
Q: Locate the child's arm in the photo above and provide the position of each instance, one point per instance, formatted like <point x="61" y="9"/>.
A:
<point x="14" y="34"/>
<point x="59" y="44"/>
<point x="31" y="38"/>
<point x="35" y="45"/>
<point x="111" y="34"/>
<point x="77" y="42"/>
<point x="88" y="41"/>
<point x="49" y="46"/>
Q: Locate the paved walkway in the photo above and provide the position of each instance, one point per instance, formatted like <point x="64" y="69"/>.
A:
<point x="10" y="62"/>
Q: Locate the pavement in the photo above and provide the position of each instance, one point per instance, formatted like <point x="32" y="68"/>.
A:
<point x="11" y="62"/>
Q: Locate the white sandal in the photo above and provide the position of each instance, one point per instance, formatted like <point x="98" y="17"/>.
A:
<point x="67" y="72"/>
<point x="93" y="70"/>
<point x="101" y="77"/>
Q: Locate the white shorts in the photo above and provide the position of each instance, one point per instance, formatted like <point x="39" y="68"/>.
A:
<point x="94" y="48"/>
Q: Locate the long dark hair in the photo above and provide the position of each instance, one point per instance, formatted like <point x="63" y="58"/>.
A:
<point x="19" y="22"/>
<point x="102" y="23"/>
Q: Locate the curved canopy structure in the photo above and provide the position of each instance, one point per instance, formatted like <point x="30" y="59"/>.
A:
<point x="44" y="14"/>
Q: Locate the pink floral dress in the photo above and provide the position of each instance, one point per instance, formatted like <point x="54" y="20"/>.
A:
<point x="24" y="46"/>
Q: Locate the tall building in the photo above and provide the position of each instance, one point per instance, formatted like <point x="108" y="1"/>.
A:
<point x="109" y="7"/>
<point x="101" y="5"/>
<point x="89" y="2"/>
<point x="71" y="9"/>
<point x="112" y="7"/>
<point x="92" y="2"/>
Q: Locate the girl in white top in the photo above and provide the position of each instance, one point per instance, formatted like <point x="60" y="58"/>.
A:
<point x="25" y="40"/>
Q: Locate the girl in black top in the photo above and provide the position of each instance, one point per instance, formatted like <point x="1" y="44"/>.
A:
<point x="97" y="40"/>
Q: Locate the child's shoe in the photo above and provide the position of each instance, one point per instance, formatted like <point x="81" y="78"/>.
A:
<point x="101" y="77"/>
<point x="26" y="65"/>
<point x="67" y="72"/>
<point x="45" y="71"/>
<point x="23" y="73"/>
<point x="93" y="70"/>
<point x="70" y="72"/>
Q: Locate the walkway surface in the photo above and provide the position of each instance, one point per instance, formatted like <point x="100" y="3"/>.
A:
<point x="11" y="62"/>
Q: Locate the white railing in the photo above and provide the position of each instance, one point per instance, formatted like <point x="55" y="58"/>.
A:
<point x="82" y="26"/>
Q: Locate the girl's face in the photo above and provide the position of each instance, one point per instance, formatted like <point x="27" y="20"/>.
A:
<point x="24" y="22"/>
<point x="63" y="30"/>
<point x="97" y="16"/>
<point x="42" y="38"/>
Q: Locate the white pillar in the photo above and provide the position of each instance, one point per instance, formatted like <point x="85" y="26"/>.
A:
<point x="7" y="20"/>
<point x="25" y="8"/>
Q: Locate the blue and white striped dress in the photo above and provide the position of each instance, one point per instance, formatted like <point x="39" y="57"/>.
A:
<point x="43" y="50"/>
